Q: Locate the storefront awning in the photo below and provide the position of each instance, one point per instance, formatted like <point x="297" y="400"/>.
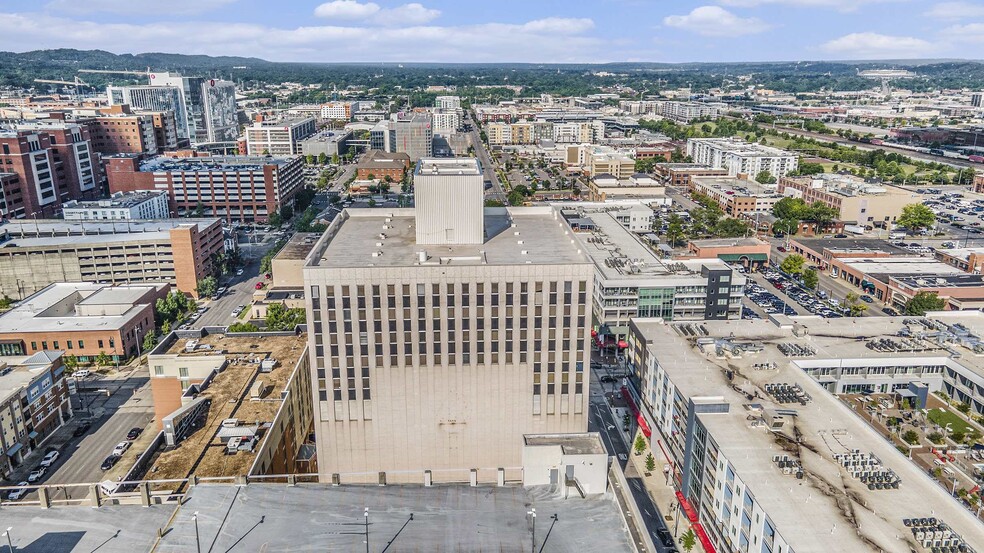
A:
<point x="14" y="449"/>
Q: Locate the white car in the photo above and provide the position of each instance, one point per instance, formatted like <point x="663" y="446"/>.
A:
<point x="623" y="457"/>
<point x="121" y="448"/>
<point x="81" y="373"/>
<point x="49" y="459"/>
<point x="20" y="492"/>
<point x="36" y="474"/>
<point x="239" y="272"/>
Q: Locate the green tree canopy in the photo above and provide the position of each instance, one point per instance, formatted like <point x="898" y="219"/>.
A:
<point x="916" y="216"/>
<point x="793" y="264"/>
<point x="173" y="306"/>
<point x="242" y="327"/>
<point x="923" y="302"/>
<point x="207" y="286"/>
<point x="279" y="317"/>
<point x="811" y="279"/>
<point x="765" y="177"/>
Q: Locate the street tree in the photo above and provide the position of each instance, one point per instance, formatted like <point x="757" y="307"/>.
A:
<point x="323" y="158"/>
<point x="792" y="264"/>
<point x="102" y="360"/>
<point x="640" y="445"/>
<point x="206" y="287"/>
<point x="674" y="229"/>
<point x="650" y="463"/>
<point x="688" y="540"/>
<point x="811" y="279"/>
<point x="923" y="302"/>
<point x="916" y="216"/>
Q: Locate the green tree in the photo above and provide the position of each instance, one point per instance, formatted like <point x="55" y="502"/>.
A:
<point x="640" y="444"/>
<point x="957" y="436"/>
<point x="149" y="341"/>
<point x="275" y="219"/>
<point x="916" y="216"/>
<point x="286" y="212"/>
<point x="650" y="463"/>
<point x="173" y="306"/>
<point x="323" y="158"/>
<point x="102" y="360"/>
<point x="207" y="286"/>
<point x="242" y="327"/>
<point x="71" y="362"/>
<point x="923" y="302"/>
<point x="811" y="279"/>
<point x="674" y="229"/>
<point x="199" y="210"/>
<point x="309" y="159"/>
<point x="765" y="177"/>
<point x="854" y="305"/>
<point x="6" y="302"/>
<point x="688" y="540"/>
<point x="911" y="437"/>
<point x="494" y="203"/>
<point x="516" y="197"/>
<point x="789" y="208"/>
<point x="792" y="264"/>
<point x="730" y="227"/>
<point x="935" y="437"/>
<point x="279" y="317"/>
<point x="963" y="407"/>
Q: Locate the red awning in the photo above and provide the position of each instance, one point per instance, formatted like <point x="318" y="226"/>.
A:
<point x="623" y="344"/>
<point x="643" y="425"/>
<point x="594" y="333"/>
<point x="687" y="508"/>
<point x="628" y="399"/>
<point x="705" y="541"/>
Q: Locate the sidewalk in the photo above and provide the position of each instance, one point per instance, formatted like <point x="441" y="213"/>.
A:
<point x="662" y="492"/>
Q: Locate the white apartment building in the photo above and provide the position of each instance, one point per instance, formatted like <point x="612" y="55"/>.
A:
<point x="432" y="360"/>
<point x="740" y="157"/>
<point x="121" y="206"/>
<point x="716" y="401"/>
<point x="686" y="112"/>
<point x="574" y="133"/>
<point x="337" y="111"/>
<point x="278" y="138"/>
<point x="448" y="102"/>
<point x="446" y="122"/>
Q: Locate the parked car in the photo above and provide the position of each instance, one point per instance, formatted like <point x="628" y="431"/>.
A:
<point x="20" y="492"/>
<point x="121" y="448"/>
<point x="239" y="272"/>
<point x="37" y="474"/>
<point x="81" y="373"/>
<point x="867" y="299"/>
<point x="134" y="433"/>
<point x="49" y="459"/>
<point x="109" y="462"/>
<point x="623" y="457"/>
<point x="82" y="428"/>
<point x="665" y="537"/>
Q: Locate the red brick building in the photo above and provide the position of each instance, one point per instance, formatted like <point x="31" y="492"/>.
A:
<point x="234" y="188"/>
<point x="54" y="163"/>
<point x="379" y="165"/>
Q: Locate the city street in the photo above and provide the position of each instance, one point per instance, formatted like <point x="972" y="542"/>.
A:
<point x="496" y="192"/>
<point x="240" y="288"/>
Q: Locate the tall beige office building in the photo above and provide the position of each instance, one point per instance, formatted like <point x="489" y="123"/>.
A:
<point x="432" y="360"/>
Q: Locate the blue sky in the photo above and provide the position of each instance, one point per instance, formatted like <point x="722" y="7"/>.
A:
<point x="505" y="30"/>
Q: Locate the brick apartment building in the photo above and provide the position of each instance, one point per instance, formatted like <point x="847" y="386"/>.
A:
<point x="53" y="163"/>
<point x="379" y="164"/>
<point x="234" y="188"/>
<point x="117" y="130"/>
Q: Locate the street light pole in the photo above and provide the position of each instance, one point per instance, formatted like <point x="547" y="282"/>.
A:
<point x="532" y="513"/>
<point x="367" y="529"/>
<point x="10" y="546"/>
<point x="198" y="545"/>
<point x="553" y="519"/>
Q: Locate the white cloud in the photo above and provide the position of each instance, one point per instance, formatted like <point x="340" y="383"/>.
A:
<point x="123" y="7"/>
<point x="370" y="12"/>
<point x="841" y="5"/>
<point x="955" y="10"/>
<point x="559" y="25"/>
<point x="346" y="9"/>
<point x="971" y="32"/>
<point x="539" y="41"/>
<point x="878" y="46"/>
<point x="716" y="21"/>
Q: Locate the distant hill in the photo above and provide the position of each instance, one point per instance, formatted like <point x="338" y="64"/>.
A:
<point x="20" y="70"/>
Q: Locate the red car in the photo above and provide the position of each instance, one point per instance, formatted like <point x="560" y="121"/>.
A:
<point x="259" y="285"/>
<point x="781" y="248"/>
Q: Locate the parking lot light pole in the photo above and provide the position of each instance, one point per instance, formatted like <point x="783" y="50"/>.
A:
<point x="532" y="513"/>
<point x="10" y="546"/>
<point x="198" y="545"/>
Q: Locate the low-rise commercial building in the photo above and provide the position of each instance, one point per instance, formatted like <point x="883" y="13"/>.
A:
<point x="679" y="175"/>
<point x="749" y="464"/>
<point x="591" y="159"/>
<point x="234" y="188"/>
<point x="34" y="403"/>
<point x="180" y="252"/>
<point x="738" y="198"/>
<point x="327" y="142"/>
<point x="377" y="164"/>
<point x="868" y="205"/>
<point x="121" y="206"/>
<point x="750" y="253"/>
<point x="605" y="187"/>
<point x="278" y="138"/>
<point x="740" y="157"/>
<point x="632" y="280"/>
<point x="83" y="319"/>
<point x="271" y="421"/>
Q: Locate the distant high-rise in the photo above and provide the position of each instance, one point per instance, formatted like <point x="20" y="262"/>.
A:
<point x="977" y="99"/>
<point x="210" y="106"/>
<point x="153" y="98"/>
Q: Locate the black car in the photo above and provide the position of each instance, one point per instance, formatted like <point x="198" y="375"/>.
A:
<point x="608" y="378"/>
<point x="665" y="537"/>
<point x="82" y="428"/>
<point x="890" y="312"/>
<point x="133" y="433"/>
<point x="110" y="462"/>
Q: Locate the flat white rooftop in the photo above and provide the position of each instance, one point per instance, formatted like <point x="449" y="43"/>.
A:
<point x="828" y="510"/>
<point x="53" y="309"/>
<point x="387" y="238"/>
<point x="452" y="166"/>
